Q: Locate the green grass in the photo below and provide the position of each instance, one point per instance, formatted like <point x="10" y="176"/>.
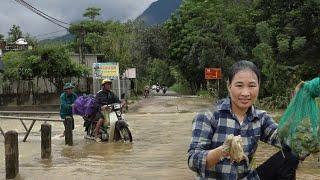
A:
<point x="180" y="88"/>
<point x="277" y="117"/>
<point x="204" y="94"/>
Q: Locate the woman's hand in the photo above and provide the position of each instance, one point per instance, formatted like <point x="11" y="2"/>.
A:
<point x="303" y="157"/>
<point x="104" y="107"/>
<point x="298" y="87"/>
<point x="216" y="155"/>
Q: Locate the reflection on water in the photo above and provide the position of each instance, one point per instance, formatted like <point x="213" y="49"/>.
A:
<point x="46" y="163"/>
<point x="91" y="149"/>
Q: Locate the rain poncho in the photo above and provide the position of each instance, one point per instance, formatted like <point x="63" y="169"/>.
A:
<point x="85" y="106"/>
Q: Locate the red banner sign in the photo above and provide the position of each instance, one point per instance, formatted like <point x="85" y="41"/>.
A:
<point x="212" y="73"/>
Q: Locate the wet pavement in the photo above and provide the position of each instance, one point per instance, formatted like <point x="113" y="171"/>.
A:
<point x="161" y="128"/>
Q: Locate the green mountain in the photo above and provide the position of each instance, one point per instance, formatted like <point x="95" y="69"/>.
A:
<point x="159" y="11"/>
<point x="64" y="38"/>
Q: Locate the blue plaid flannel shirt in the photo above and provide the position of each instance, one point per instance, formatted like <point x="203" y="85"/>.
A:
<point x="209" y="131"/>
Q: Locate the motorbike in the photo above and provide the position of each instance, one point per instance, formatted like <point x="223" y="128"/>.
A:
<point x="146" y="93"/>
<point x="116" y="129"/>
<point x="164" y="90"/>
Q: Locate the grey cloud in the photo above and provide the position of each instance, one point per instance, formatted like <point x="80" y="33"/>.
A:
<point x="65" y="10"/>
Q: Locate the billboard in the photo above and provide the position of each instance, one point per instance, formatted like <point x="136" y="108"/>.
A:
<point x="213" y="73"/>
<point x="105" y="70"/>
<point x="130" y="73"/>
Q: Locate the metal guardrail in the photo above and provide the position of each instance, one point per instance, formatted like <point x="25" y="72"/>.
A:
<point x="30" y="112"/>
<point x="33" y="119"/>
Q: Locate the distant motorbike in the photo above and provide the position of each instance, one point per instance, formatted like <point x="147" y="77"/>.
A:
<point x="116" y="129"/>
<point x="164" y="90"/>
<point x="146" y="93"/>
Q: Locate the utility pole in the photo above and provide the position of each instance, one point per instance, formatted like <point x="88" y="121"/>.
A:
<point x="82" y="55"/>
<point x="81" y="49"/>
<point x="1" y="63"/>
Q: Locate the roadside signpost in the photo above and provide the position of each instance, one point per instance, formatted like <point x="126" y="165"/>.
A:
<point x="106" y="70"/>
<point x="213" y="74"/>
<point x="131" y="74"/>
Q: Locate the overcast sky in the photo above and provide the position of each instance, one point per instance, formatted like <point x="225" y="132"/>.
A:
<point x="12" y="12"/>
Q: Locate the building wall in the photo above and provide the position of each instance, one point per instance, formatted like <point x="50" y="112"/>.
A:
<point x="89" y="59"/>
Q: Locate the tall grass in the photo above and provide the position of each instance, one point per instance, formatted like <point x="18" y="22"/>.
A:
<point x="180" y="88"/>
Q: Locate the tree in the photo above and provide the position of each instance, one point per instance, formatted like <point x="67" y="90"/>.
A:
<point x="159" y="71"/>
<point x="52" y="62"/>
<point x="56" y="64"/>
<point x="88" y="35"/>
<point x="92" y="12"/>
<point x="113" y="39"/>
<point x="131" y="44"/>
<point x="288" y="44"/>
<point x="32" y="41"/>
<point x="12" y="61"/>
<point x="117" y="44"/>
<point x="205" y="34"/>
<point x="15" y="33"/>
<point x="1" y="37"/>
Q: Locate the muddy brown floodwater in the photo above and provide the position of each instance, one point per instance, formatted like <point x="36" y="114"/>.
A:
<point x="161" y="128"/>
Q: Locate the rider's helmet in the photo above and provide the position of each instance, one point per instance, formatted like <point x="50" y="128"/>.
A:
<point x="106" y="81"/>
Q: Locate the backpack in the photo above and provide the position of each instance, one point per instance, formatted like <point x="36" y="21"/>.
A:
<point x="85" y="106"/>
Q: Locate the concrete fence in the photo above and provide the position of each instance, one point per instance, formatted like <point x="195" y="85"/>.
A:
<point x="43" y="92"/>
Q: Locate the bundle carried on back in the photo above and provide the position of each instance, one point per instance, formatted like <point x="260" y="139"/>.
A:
<point x="85" y="106"/>
<point x="299" y="125"/>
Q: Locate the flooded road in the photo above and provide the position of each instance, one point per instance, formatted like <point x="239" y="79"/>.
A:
<point x="161" y="128"/>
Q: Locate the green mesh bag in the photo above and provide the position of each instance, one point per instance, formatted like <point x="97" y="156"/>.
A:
<point x="299" y="125"/>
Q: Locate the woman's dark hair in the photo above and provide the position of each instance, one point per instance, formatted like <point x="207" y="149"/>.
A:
<point x="243" y="65"/>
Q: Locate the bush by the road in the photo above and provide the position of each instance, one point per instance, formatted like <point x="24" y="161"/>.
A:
<point x="180" y="88"/>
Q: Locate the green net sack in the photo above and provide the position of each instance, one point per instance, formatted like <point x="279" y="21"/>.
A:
<point x="299" y="125"/>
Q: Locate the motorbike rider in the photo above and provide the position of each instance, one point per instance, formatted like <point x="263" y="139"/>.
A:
<point x="104" y="97"/>
<point x="158" y="87"/>
<point x="164" y="88"/>
<point x="146" y="91"/>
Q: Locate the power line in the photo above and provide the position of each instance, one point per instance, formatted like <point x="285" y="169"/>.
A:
<point x="44" y="13"/>
<point x="40" y="13"/>
<point x="35" y="11"/>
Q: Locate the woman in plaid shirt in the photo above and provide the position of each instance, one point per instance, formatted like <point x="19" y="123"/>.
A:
<point x="236" y="115"/>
